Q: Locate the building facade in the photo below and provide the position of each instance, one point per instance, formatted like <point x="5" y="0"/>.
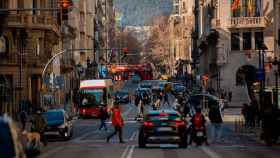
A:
<point x="181" y="27"/>
<point x="27" y="40"/>
<point x="236" y="40"/>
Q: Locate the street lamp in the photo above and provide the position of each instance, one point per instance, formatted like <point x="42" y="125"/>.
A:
<point x="261" y="48"/>
<point x="276" y="62"/>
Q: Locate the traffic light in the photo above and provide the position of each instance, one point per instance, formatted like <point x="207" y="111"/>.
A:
<point x="65" y="5"/>
<point x="124" y="52"/>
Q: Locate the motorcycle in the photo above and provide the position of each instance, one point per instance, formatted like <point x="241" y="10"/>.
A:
<point x="198" y="135"/>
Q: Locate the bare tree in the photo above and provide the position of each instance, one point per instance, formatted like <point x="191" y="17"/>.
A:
<point x="158" y="43"/>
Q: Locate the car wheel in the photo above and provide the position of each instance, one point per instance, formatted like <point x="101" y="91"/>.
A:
<point x="66" y="135"/>
<point x="141" y="140"/>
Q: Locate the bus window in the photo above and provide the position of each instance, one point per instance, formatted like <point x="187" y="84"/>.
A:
<point x="92" y="98"/>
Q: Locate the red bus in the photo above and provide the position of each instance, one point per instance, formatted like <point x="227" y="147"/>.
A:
<point x="124" y="72"/>
<point x="93" y="95"/>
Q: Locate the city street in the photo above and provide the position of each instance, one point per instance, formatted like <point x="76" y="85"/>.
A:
<point x="175" y="78"/>
<point x="88" y="141"/>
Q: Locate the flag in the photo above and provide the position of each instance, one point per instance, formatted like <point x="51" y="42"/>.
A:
<point x="250" y="7"/>
<point x="235" y="5"/>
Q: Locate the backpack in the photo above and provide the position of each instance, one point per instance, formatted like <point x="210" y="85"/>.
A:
<point x="215" y="115"/>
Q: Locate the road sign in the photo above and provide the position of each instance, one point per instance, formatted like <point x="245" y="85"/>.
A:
<point x="260" y="75"/>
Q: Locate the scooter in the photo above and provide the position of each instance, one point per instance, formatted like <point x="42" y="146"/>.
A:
<point x="198" y="135"/>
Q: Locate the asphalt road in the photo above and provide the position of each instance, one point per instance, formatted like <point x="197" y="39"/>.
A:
<point x="89" y="142"/>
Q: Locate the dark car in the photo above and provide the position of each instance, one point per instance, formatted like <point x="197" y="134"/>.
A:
<point x="163" y="127"/>
<point x="122" y="97"/>
<point x="179" y="89"/>
<point x="59" y="123"/>
<point x="10" y="146"/>
<point x="145" y="85"/>
<point x="144" y="94"/>
<point x="196" y="100"/>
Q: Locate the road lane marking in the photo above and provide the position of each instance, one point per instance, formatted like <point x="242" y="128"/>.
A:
<point x="51" y="152"/>
<point x="125" y="151"/>
<point x="132" y="136"/>
<point x="98" y="141"/>
<point x="210" y="153"/>
<point x="131" y="150"/>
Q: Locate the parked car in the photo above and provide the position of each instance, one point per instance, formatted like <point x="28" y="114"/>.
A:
<point x="163" y="127"/>
<point x="59" y="123"/>
<point x="122" y="97"/>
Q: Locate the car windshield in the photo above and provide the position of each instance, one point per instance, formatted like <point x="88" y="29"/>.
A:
<point x="54" y="116"/>
<point x="6" y="141"/>
<point x="162" y="116"/>
<point x="92" y="98"/>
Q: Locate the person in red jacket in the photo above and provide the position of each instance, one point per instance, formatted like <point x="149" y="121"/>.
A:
<point x="117" y="122"/>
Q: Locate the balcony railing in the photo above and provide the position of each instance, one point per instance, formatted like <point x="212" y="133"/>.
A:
<point x="247" y="22"/>
<point x="28" y="58"/>
<point x="33" y="21"/>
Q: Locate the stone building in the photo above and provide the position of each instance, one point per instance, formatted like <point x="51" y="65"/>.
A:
<point x="181" y="25"/>
<point x="277" y="26"/>
<point x="27" y="41"/>
<point x="231" y="34"/>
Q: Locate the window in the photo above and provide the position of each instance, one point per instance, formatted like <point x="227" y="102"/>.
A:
<point x="258" y="39"/>
<point x="176" y="9"/>
<point x="246" y="8"/>
<point x="35" y="5"/>
<point x="247" y="41"/>
<point x="4" y="3"/>
<point x="235" y="41"/>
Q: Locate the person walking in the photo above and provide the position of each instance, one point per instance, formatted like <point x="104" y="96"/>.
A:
<point x="23" y="119"/>
<point x="103" y="117"/>
<point x="216" y="120"/>
<point x="140" y="108"/>
<point x="165" y="99"/>
<point x="244" y="112"/>
<point x="117" y="122"/>
<point x="157" y="104"/>
<point x="39" y="125"/>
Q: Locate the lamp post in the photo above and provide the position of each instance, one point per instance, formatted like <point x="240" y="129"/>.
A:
<point x="261" y="47"/>
<point x="276" y="62"/>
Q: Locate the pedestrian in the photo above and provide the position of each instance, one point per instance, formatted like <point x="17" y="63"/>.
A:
<point x="23" y="119"/>
<point x="229" y="96"/>
<point x="117" y="122"/>
<point x="165" y="99"/>
<point x="103" y="117"/>
<point x="216" y="122"/>
<point x="39" y="125"/>
<point x="244" y="112"/>
<point x="157" y="104"/>
<point x="140" y="108"/>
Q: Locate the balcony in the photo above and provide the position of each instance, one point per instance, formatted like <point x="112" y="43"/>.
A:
<point x="33" y="22"/>
<point x="28" y="58"/>
<point x="248" y="22"/>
